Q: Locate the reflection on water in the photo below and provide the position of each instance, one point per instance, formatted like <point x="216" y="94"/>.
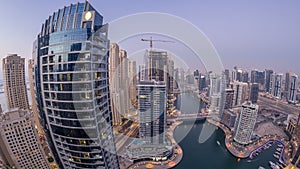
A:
<point x="210" y="154"/>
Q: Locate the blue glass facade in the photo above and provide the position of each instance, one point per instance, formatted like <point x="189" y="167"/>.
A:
<point x="72" y="88"/>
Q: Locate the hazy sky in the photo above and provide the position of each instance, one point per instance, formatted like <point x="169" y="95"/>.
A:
<point x="250" y="34"/>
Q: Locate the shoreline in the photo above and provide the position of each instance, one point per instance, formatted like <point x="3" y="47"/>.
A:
<point x="235" y="149"/>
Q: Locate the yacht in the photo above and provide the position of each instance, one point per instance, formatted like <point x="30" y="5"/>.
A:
<point x="273" y="165"/>
<point x="276" y="156"/>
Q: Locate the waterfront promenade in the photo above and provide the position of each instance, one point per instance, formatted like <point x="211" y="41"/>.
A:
<point x="169" y="163"/>
<point x="244" y="151"/>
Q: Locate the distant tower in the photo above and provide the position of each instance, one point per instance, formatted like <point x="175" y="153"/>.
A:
<point x="217" y="94"/>
<point x="292" y="88"/>
<point x="114" y="85"/>
<point x="14" y="82"/>
<point x="152" y="111"/>
<point x="132" y="73"/>
<point x="19" y="140"/>
<point x="240" y="93"/>
<point x="268" y="77"/>
<point x="246" y="123"/>
<point x="276" y="85"/>
<point x="254" y="90"/>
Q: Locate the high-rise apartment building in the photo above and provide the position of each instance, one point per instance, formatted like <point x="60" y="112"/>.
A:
<point x="114" y="85"/>
<point x="124" y="85"/>
<point x="229" y="94"/>
<point x="132" y="73"/>
<point x="240" y="93"/>
<point x="276" y="85"/>
<point x="292" y="88"/>
<point x="34" y="105"/>
<point x="72" y="85"/>
<point x="14" y="82"/>
<point x="161" y="68"/>
<point x="246" y="123"/>
<point x="152" y="103"/>
<point x="19" y="140"/>
<point x="217" y="94"/>
<point x="253" y="94"/>
<point x="268" y="77"/>
<point x="229" y="118"/>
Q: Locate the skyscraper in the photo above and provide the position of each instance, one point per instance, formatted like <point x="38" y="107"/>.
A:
<point x="133" y="81"/>
<point x="34" y="106"/>
<point x="161" y="68"/>
<point x="217" y="94"/>
<point x="268" y="77"/>
<point x="19" y="140"/>
<point x="246" y="123"/>
<point x="152" y="111"/>
<point x="276" y="85"/>
<point x="14" y="82"/>
<point x="229" y="94"/>
<point x="240" y="93"/>
<point x="258" y="77"/>
<point x="253" y="94"/>
<point x="72" y="86"/>
<point x="124" y="83"/>
<point x="292" y="88"/>
<point x="114" y="85"/>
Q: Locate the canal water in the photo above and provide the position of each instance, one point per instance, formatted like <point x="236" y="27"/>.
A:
<point x="210" y="155"/>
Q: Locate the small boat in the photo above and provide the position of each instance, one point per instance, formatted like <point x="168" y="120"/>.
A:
<point x="260" y="167"/>
<point x="273" y="165"/>
<point x="280" y="145"/>
<point x="218" y="143"/>
<point x="276" y="156"/>
<point x="238" y="160"/>
<point x="278" y="149"/>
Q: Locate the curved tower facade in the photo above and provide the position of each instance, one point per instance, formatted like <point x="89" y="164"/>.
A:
<point x="71" y="77"/>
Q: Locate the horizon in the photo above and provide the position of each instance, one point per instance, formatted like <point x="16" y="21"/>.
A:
<point x="251" y="36"/>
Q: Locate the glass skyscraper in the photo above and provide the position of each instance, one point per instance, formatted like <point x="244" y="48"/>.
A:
<point x="71" y="75"/>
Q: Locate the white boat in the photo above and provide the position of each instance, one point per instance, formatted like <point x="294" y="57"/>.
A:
<point x="218" y="143"/>
<point x="273" y="165"/>
<point x="280" y="145"/>
<point x="276" y="156"/>
<point x="260" y="167"/>
<point x="278" y="149"/>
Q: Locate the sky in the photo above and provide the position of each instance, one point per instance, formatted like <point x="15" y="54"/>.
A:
<point x="249" y="34"/>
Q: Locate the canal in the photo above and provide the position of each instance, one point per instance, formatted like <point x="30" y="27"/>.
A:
<point x="210" y="154"/>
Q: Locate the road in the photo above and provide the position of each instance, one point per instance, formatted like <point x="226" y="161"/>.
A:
<point x="279" y="105"/>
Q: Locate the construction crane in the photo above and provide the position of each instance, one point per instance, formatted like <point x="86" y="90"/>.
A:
<point x="151" y="41"/>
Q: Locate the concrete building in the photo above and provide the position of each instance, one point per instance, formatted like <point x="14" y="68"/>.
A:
<point x="217" y="94"/>
<point x="124" y="84"/>
<point x="268" y="77"/>
<point x="114" y="85"/>
<point x="152" y="103"/>
<point x="13" y="67"/>
<point x="292" y="88"/>
<point x="229" y="95"/>
<point x="229" y="118"/>
<point x="246" y="123"/>
<point x="161" y="68"/>
<point x="132" y="73"/>
<point x="241" y="91"/>
<point x="20" y="141"/>
<point x="254" y="90"/>
<point x="72" y="85"/>
<point x="259" y="78"/>
<point x="276" y="85"/>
